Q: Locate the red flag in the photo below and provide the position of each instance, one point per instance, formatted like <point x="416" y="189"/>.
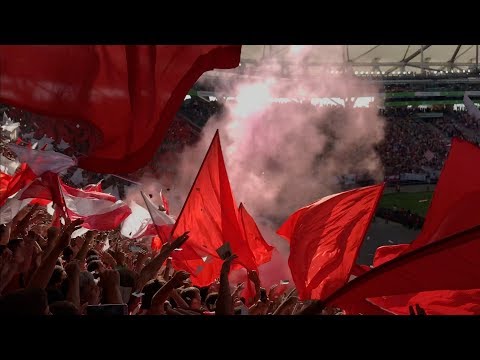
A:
<point x="325" y="238"/>
<point x="358" y="270"/>
<point x="387" y="253"/>
<point x="210" y="214"/>
<point x="454" y="206"/>
<point x="438" y="302"/>
<point x="165" y="203"/>
<point x="4" y="181"/>
<point x="22" y="178"/>
<point x="261" y="251"/>
<point x="130" y="94"/>
<point x="94" y="187"/>
<point x="99" y="211"/>
<point x="448" y="264"/>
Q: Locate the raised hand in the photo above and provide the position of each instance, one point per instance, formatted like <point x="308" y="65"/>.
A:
<point x="175" y="244"/>
<point x="109" y="278"/>
<point x="418" y="310"/>
<point x="64" y="239"/>
<point x="179" y="277"/>
<point x="72" y="269"/>
<point x="228" y="262"/>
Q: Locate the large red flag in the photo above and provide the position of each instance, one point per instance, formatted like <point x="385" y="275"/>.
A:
<point x="454" y="206"/>
<point x="437" y="302"/>
<point x="210" y="214"/>
<point x="261" y="251"/>
<point x="325" y="238"/>
<point x="129" y="94"/>
<point x="453" y="209"/>
<point x="448" y="264"/>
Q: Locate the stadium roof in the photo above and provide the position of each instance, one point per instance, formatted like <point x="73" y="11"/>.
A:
<point x="388" y="59"/>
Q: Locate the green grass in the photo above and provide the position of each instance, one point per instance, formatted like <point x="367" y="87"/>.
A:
<point x="408" y="201"/>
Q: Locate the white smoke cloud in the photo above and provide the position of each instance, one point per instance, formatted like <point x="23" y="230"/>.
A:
<point x="281" y="157"/>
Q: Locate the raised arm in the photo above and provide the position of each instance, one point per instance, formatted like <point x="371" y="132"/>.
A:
<point x="225" y="300"/>
<point x="82" y="253"/>
<point x="42" y="275"/>
<point x="151" y="269"/>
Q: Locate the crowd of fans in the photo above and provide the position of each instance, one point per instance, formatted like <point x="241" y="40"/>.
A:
<point x="43" y="270"/>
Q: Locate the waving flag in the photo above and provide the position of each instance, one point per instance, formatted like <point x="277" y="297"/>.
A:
<point x="261" y="251"/>
<point x="447" y="264"/>
<point x="22" y="178"/>
<point x="42" y="161"/>
<point x="210" y="214"/>
<point x="325" y="238"/>
<point x="129" y="94"/>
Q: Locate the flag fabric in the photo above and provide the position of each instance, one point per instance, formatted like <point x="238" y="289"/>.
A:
<point x="387" y="253"/>
<point x="161" y="224"/>
<point x="439" y="302"/>
<point x="94" y="187"/>
<point x="8" y="166"/>
<point x="447" y="264"/>
<point x="210" y="214"/>
<point x="4" y="181"/>
<point x="42" y="161"/>
<point x="129" y="94"/>
<point x="472" y="109"/>
<point x="454" y="205"/>
<point x="22" y="178"/>
<point x="358" y="270"/>
<point x="98" y="211"/>
<point x="139" y="224"/>
<point x="165" y="203"/>
<point x="135" y="225"/>
<point x="11" y="208"/>
<point x="261" y="251"/>
<point x="325" y="238"/>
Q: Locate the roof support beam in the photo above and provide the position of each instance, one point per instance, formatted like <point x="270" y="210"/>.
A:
<point x="452" y="60"/>
<point x="414" y="55"/>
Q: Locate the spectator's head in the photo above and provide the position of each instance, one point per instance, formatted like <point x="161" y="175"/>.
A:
<point x="58" y="276"/>
<point x="92" y="252"/>
<point x="149" y="290"/>
<point x="63" y="308"/>
<point x="92" y="258"/>
<point x="68" y="254"/>
<point x="25" y="302"/>
<point x="192" y="297"/>
<point x="95" y="265"/>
